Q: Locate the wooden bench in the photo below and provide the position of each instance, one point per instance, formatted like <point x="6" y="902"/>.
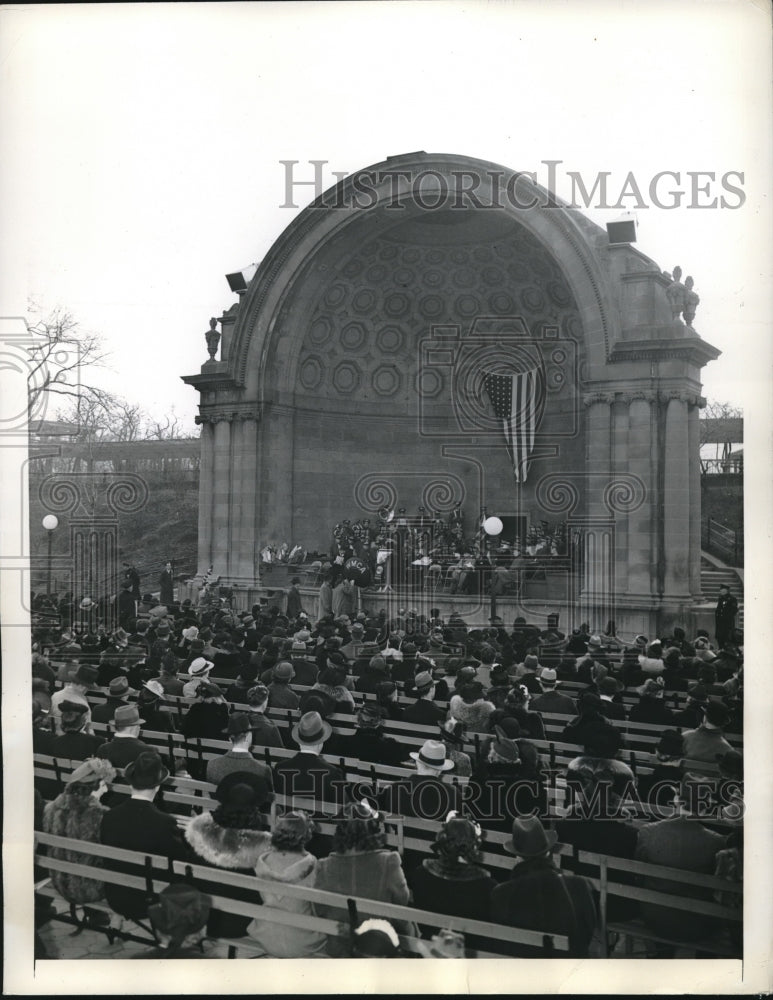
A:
<point x="610" y="867"/>
<point x="157" y="872"/>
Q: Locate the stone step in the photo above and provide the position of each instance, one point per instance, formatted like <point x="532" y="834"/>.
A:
<point x="713" y="577"/>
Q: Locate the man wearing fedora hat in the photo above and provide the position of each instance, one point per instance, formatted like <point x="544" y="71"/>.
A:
<point x="117" y="695"/>
<point x="137" y="825"/>
<point x="424" y="794"/>
<point x="74" y="690"/>
<point x="539" y="896"/>
<point x="609" y="687"/>
<point x="307" y="774"/>
<point x="424" y="711"/>
<point x="125" y="745"/>
<point x="550" y="700"/>
<point x="239" y="756"/>
<point x="707" y="742"/>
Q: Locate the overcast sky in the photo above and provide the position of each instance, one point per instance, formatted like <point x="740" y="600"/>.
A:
<point x="142" y="147"/>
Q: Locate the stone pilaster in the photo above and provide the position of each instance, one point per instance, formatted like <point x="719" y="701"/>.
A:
<point x="237" y="499"/>
<point x="619" y="466"/>
<point x="221" y="497"/>
<point x="277" y="460"/>
<point x="676" y="498"/>
<point x="640" y="525"/>
<point x="598" y="592"/>
<point x="694" y="480"/>
<point x="244" y="544"/>
<point x="206" y="470"/>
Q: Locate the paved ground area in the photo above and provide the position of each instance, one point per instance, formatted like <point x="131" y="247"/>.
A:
<point x="61" y="942"/>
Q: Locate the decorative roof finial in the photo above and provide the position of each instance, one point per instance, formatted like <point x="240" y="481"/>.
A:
<point x="213" y="339"/>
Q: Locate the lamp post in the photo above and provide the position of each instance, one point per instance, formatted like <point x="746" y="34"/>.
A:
<point x="493" y="526"/>
<point x="50" y="523"/>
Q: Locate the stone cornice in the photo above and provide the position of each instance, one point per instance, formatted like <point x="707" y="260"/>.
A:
<point x="228" y="412"/>
<point x="648" y="395"/>
<point x="214" y="376"/>
<point x="650" y="274"/>
<point x="692" y="349"/>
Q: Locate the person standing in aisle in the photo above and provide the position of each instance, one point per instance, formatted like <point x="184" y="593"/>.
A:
<point x="166" y="583"/>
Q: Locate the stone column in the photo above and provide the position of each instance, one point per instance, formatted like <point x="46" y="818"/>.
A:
<point x="640" y="536"/>
<point x="236" y="493"/>
<point x="277" y="460"/>
<point x="599" y="579"/>
<point x="221" y="497"/>
<point x="245" y="543"/>
<point x="206" y="469"/>
<point x="676" y="499"/>
<point x="620" y="465"/>
<point x="694" y="479"/>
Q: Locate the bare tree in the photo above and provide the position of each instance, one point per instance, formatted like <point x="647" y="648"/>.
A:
<point x="62" y="360"/>
<point x="164" y="430"/>
<point x="719" y="426"/>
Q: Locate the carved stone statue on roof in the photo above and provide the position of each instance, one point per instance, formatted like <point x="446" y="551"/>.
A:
<point x="213" y="338"/>
<point x="675" y="293"/>
<point x="691" y="300"/>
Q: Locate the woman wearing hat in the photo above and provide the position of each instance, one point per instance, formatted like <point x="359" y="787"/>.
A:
<point x="281" y="694"/>
<point x="651" y="707"/>
<point x="199" y="670"/>
<point x="600" y="765"/>
<point x="517" y="707"/>
<point x="470" y="707"/>
<point x="386" y="698"/>
<point x="208" y="715"/>
<point x="78" y="813"/>
<point x="631" y="673"/>
<point x="332" y="681"/>
<point x="453" y="881"/>
<point x="360" y="864"/>
<point x="151" y="702"/>
<point x="287" y="862"/>
<point x="651" y="660"/>
<point x="74" y="690"/>
<point x="369" y="742"/>
<point x="233" y="836"/>
<point x="74" y="742"/>
<point x="510" y="783"/>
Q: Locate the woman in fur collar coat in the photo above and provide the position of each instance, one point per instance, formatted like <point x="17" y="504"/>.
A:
<point x="470" y="707"/>
<point x="233" y="836"/>
<point x="78" y="813"/>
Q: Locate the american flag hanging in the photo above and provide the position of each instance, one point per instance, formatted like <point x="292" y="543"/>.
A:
<point x="519" y="401"/>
